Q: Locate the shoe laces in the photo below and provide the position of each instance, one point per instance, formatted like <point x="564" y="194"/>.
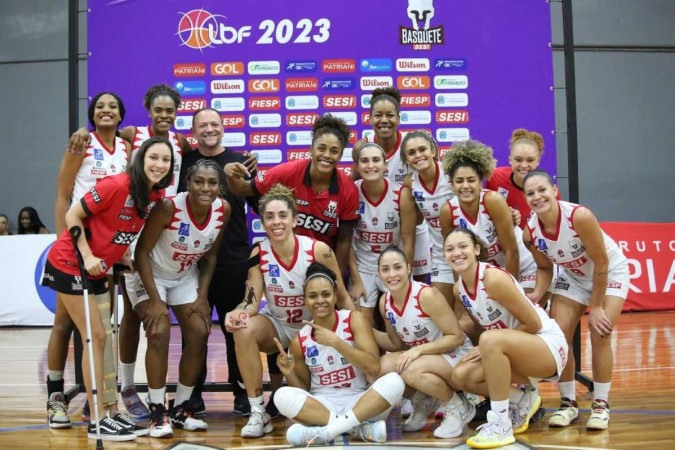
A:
<point x="256" y="418"/>
<point x="110" y="423"/>
<point x="157" y="414"/>
<point x="567" y="403"/>
<point x="317" y="436"/>
<point x="600" y="406"/>
<point x="121" y="417"/>
<point x="57" y="406"/>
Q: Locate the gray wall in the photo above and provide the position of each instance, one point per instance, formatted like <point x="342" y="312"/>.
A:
<point x="625" y="64"/>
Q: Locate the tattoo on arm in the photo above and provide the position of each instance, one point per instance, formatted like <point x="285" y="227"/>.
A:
<point x="528" y="244"/>
<point x="328" y="254"/>
<point x="599" y="274"/>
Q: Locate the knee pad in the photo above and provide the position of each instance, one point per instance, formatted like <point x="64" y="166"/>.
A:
<point x="390" y="387"/>
<point x="289" y="400"/>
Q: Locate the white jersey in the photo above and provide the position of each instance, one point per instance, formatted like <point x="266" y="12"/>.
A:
<point x="379" y="225"/>
<point x="430" y="200"/>
<point x="331" y="372"/>
<point x="284" y="284"/>
<point x="485" y="229"/>
<point x="489" y="313"/>
<point x="565" y="247"/>
<point x="183" y="242"/>
<point x="396" y="169"/>
<point x="412" y="324"/>
<point x="99" y="161"/>
<point x="143" y="134"/>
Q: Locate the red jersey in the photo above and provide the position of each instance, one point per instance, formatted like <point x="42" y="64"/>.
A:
<point x="111" y="225"/>
<point x="319" y="215"/>
<point x="502" y="182"/>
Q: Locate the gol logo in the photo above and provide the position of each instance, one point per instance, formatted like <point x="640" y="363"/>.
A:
<point x="422" y="82"/>
<point x="267" y="85"/>
<point x="193" y="28"/>
<point x="227" y="68"/>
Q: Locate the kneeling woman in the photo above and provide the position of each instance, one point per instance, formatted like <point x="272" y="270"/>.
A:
<point x="180" y="232"/>
<point x="422" y="327"/>
<point x="326" y="368"/>
<point x="515" y="328"/>
<point x="277" y="270"/>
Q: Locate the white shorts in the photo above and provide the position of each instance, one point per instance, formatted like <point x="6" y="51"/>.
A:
<point x="580" y="290"/>
<point x="373" y="286"/>
<point x="344" y="401"/>
<point x="528" y="281"/>
<point x="180" y="291"/>
<point x="440" y="270"/>
<point x="455" y="356"/>
<point x="422" y="260"/>
<point x="284" y="330"/>
<point x="557" y="344"/>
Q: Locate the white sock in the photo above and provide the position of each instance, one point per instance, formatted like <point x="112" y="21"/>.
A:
<point x="568" y="389"/>
<point x="183" y="393"/>
<point x="501" y="408"/>
<point x="55" y="375"/>
<point x="156" y="395"/>
<point x="257" y="404"/>
<point x="127" y="374"/>
<point x="601" y="390"/>
<point x="338" y="424"/>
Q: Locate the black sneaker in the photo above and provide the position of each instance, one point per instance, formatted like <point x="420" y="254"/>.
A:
<point x="160" y="426"/>
<point x="242" y="407"/>
<point x="271" y="408"/>
<point x="110" y="431"/>
<point x="127" y="423"/>
<point x="182" y="416"/>
<point x="481" y="411"/>
<point x="86" y="413"/>
<point x="197" y="407"/>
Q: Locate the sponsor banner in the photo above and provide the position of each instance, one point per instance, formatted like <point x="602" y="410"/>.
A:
<point x="268" y="156"/>
<point x="264" y="120"/>
<point x="650" y="249"/>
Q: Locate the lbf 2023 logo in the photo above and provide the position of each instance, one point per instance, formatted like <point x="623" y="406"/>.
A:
<point x="200" y="29"/>
<point x="421" y="35"/>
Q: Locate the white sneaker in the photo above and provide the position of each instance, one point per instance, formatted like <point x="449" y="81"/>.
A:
<point x="406" y="408"/>
<point x="494" y="433"/>
<point x="299" y="434"/>
<point x="568" y="413"/>
<point x="599" y="419"/>
<point x="522" y="411"/>
<point x="160" y="425"/>
<point x="371" y="431"/>
<point x="258" y="425"/>
<point x="457" y="413"/>
<point x="421" y="410"/>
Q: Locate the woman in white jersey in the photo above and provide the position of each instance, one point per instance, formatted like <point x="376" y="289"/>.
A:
<point x="387" y="216"/>
<point x="431" y="189"/>
<point x="328" y="366"/>
<point x="385" y="117"/>
<point x="428" y="343"/>
<point x="516" y="329"/>
<point x="107" y="154"/>
<point x="592" y="273"/>
<point x="277" y="271"/>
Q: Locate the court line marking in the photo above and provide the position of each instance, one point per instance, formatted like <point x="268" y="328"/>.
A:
<point x="569" y="447"/>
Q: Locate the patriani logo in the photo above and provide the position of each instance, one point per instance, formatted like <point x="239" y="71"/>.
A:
<point x="199" y="29"/>
<point x="421" y="36"/>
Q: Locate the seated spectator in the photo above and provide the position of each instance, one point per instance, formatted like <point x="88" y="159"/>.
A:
<point x="29" y="222"/>
<point x="4" y="225"/>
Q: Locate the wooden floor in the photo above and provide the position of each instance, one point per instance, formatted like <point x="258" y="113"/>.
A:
<point x="642" y="398"/>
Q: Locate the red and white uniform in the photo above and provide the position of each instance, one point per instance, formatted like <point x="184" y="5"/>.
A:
<point x="184" y="241"/>
<point x="143" y="134"/>
<point x="575" y="267"/>
<point x="485" y="229"/>
<point x="396" y="170"/>
<point x="111" y="225"/>
<point x="492" y="315"/>
<point x="331" y="373"/>
<point x="284" y="286"/>
<point x="319" y="215"/>
<point x="429" y="200"/>
<point x="99" y="162"/>
<point x="414" y="326"/>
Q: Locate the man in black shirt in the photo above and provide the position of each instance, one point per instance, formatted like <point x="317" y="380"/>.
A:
<point x="228" y="284"/>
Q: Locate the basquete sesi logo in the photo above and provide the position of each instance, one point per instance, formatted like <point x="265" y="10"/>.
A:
<point x="421" y="35"/>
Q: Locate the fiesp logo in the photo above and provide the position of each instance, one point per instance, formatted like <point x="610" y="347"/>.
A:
<point x="264" y="85"/>
<point x="413" y="82"/>
<point x="365" y="118"/>
<point x="298" y="154"/>
<point x="264" y="103"/>
<point x="233" y="120"/>
<point x="265" y="138"/>
<point x="301" y="119"/>
<point x="415" y="100"/>
<point x="458" y="116"/>
<point x="192" y="105"/>
<point x="227" y="68"/>
<point x="189" y="70"/>
<point x="339" y="101"/>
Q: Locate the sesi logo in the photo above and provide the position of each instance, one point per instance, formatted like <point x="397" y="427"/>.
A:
<point x="265" y="85"/>
<point x="189" y="70"/>
<point x="260" y="138"/>
<point x="413" y="82"/>
<point x="301" y="119"/>
<point x="233" y="120"/>
<point x="339" y="101"/>
<point x="227" y="68"/>
<point x="301" y="84"/>
<point x="416" y="100"/>
<point x="459" y="116"/>
<point x="353" y="137"/>
<point x="264" y="103"/>
<point x="192" y="105"/>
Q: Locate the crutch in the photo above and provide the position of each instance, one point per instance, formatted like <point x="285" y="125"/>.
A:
<point x="75" y="233"/>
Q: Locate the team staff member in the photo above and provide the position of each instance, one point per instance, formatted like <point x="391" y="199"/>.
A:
<point x="526" y="148"/>
<point x="111" y="214"/>
<point x="228" y="284"/>
<point x="327" y="199"/>
<point x="592" y="273"/>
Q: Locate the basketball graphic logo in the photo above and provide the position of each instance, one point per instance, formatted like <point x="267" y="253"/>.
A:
<point x="195" y="28"/>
